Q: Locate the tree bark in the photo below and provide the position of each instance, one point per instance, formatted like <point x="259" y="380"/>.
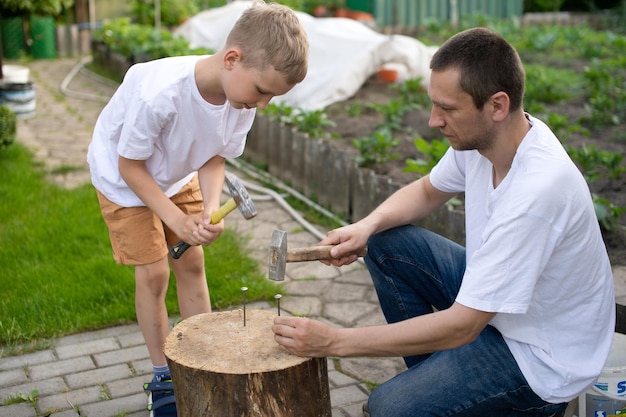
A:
<point x="222" y="368"/>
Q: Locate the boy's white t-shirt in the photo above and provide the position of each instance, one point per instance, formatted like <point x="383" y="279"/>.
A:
<point x="159" y="116"/>
<point x="535" y="256"/>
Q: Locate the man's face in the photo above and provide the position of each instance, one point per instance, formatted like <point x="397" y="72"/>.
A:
<point x="248" y="87"/>
<point x="455" y="114"/>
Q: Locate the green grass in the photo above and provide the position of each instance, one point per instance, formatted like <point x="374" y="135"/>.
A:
<point x="58" y="275"/>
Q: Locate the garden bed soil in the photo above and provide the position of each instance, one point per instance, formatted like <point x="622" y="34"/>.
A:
<point x="348" y="128"/>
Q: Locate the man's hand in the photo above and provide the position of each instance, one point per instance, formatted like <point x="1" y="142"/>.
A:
<point x="348" y="240"/>
<point x="304" y="337"/>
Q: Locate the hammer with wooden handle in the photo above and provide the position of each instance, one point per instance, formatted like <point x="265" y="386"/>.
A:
<point x="239" y="199"/>
<point x="279" y="255"/>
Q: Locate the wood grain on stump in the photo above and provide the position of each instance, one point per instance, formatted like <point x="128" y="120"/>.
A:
<point x="221" y="368"/>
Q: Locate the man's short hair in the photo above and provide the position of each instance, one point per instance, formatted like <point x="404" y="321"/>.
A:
<point x="487" y="64"/>
<point x="271" y="34"/>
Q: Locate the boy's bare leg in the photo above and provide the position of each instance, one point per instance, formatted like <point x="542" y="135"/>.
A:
<point x="150" y="288"/>
<point x="191" y="284"/>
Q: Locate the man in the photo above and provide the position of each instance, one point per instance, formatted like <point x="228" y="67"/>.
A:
<point x="521" y="320"/>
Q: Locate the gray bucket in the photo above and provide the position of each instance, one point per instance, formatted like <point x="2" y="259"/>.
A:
<point x="20" y="98"/>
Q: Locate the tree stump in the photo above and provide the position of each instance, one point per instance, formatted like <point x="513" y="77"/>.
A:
<point x="221" y="368"/>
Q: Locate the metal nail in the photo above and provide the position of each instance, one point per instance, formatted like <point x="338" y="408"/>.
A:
<point x="278" y="297"/>
<point x="243" y="293"/>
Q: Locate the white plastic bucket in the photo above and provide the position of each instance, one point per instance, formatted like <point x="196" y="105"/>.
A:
<point x="15" y="74"/>
<point x="607" y="398"/>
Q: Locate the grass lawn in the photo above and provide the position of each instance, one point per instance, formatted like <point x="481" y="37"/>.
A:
<point x="58" y="275"/>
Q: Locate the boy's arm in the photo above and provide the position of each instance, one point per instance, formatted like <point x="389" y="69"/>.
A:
<point x="211" y="178"/>
<point x="139" y="179"/>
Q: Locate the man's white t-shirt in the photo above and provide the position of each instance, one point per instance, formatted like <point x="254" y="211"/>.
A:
<point x="159" y="116"/>
<point x="535" y="256"/>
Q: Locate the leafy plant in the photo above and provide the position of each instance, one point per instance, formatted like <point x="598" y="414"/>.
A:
<point x="392" y="113"/>
<point x="594" y="162"/>
<point x="551" y="85"/>
<point x="376" y="149"/>
<point x="432" y="151"/>
<point x="281" y="112"/>
<point x="31" y="398"/>
<point x="173" y="12"/>
<point x="38" y="7"/>
<point x="354" y="109"/>
<point x="607" y="91"/>
<point x="562" y="127"/>
<point x="133" y="40"/>
<point x="314" y="123"/>
<point x="606" y="212"/>
<point x="412" y="93"/>
<point x="8" y="126"/>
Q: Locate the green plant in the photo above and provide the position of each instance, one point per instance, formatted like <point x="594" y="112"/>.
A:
<point x="8" y="126"/>
<point x="392" y="113"/>
<point x="281" y="112"/>
<point x="354" y="109"/>
<point x="432" y="151"/>
<point x="133" y="40"/>
<point x="314" y="123"/>
<point x="607" y="91"/>
<point x="38" y="7"/>
<point x="31" y="398"/>
<point x="376" y="149"/>
<point x="551" y="85"/>
<point x="562" y="127"/>
<point x="412" y="93"/>
<point x="173" y="12"/>
<point x="594" y="162"/>
<point x="606" y="212"/>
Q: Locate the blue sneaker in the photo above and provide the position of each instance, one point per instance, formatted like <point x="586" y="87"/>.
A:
<point x="161" y="401"/>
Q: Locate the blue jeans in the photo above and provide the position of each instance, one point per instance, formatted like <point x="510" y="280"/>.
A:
<point x="413" y="271"/>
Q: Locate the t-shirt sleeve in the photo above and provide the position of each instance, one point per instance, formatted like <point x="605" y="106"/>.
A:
<point x="236" y="144"/>
<point x="449" y="173"/>
<point x="142" y="126"/>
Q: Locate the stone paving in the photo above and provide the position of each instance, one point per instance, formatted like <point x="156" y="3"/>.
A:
<point x="100" y="373"/>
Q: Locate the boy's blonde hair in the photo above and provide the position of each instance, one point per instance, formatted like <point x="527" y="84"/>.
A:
<point x="271" y="34"/>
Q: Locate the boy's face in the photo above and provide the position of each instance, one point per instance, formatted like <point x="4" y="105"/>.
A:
<point x="250" y="87"/>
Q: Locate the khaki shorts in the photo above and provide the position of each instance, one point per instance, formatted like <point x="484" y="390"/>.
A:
<point x="138" y="236"/>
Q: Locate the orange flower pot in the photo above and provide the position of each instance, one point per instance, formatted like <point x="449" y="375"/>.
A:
<point x="387" y="75"/>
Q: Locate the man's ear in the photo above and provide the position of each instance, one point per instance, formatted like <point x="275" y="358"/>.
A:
<point x="500" y="104"/>
<point x="232" y="56"/>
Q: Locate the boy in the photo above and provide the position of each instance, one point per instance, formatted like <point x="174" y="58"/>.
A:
<point x="157" y="161"/>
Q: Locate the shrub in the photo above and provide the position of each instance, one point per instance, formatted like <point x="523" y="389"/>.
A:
<point x="8" y="126"/>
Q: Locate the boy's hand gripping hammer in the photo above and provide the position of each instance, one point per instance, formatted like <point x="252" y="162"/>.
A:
<point x="239" y="199"/>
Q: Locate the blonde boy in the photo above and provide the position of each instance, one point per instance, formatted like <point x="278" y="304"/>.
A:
<point x="158" y="154"/>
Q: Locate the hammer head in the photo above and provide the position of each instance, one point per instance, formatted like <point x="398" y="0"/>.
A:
<point x="240" y="195"/>
<point x="277" y="260"/>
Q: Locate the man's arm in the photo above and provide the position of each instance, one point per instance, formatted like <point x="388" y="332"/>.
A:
<point x="406" y="206"/>
<point x="446" y="329"/>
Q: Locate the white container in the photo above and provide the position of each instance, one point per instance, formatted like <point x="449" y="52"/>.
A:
<point x="15" y="74"/>
<point x="607" y="398"/>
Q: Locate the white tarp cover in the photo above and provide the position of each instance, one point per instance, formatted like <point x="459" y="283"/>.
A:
<point x="344" y="53"/>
